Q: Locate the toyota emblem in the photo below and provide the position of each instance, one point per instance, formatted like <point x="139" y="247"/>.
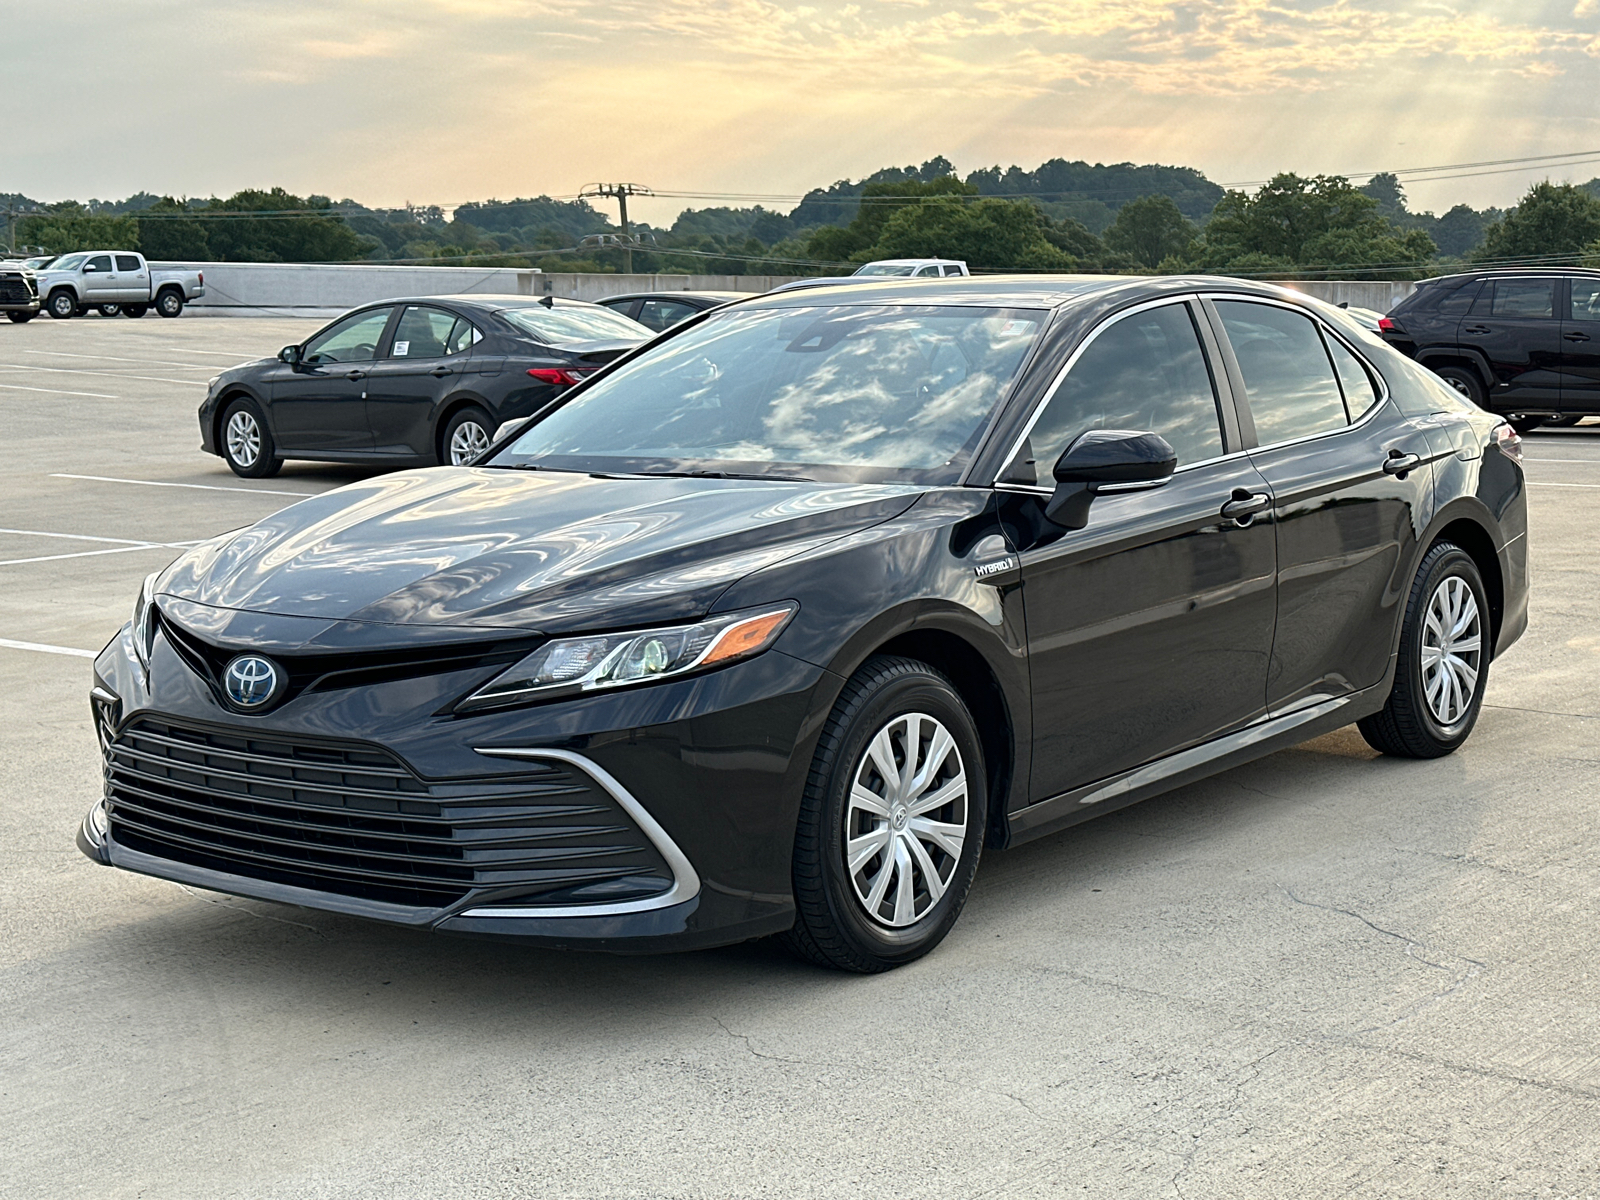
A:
<point x="252" y="682"/>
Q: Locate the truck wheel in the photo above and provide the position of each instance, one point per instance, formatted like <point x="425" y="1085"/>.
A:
<point x="169" y="303"/>
<point x="1466" y="382"/>
<point x="1524" y="424"/>
<point x="22" y="318"/>
<point x="108" y="310"/>
<point x="246" y="442"/>
<point x="62" y="304"/>
<point x="135" y="310"/>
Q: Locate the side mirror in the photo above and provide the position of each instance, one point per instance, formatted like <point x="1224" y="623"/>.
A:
<point x="89" y="268"/>
<point x="1106" y="460"/>
<point x="289" y="354"/>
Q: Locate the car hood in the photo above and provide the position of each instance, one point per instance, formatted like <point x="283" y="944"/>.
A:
<point x="480" y="549"/>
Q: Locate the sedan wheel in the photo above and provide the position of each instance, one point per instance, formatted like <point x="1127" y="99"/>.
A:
<point x="892" y="821"/>
<point x="1443" y="667"/>
<point x="247" y="443"/>
<point x="466" y="437"/>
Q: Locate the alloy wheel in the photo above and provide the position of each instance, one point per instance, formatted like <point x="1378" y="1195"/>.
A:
<point x="244" y="439"/>
<point x="1452" y="649"/>
<point x="468" y="441"/>
<point x="906" y="819"/>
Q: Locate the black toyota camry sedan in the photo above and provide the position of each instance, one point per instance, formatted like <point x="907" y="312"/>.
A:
<point x="776" y="624"/>
<point x="408" y="382"/>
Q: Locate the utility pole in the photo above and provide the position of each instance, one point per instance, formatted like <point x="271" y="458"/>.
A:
<point x="620" y="193"/>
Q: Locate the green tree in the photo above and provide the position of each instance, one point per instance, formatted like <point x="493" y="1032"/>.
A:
<point x="1554" y="222"/>
<point x="289" y="229"/>
<point x="988" y="234"/>
<point x="1149" y="230"/>
<point x="167" y="235"/>
<point x="68" y="226"/>
<point x="878" y="205"/>
<point x="1319" y="227"/>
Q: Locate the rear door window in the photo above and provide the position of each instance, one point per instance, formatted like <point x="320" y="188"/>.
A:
<point x="422" y="332"/>
<point x="1517" y="298"/>
<point x="129" y="262"/>
<point x="1144" y="372"/>
<point x="1288" y="377"/>
<point x="1585" y="304"/>
<point x="1360" y="392"/>
<point x="664" y="314"/>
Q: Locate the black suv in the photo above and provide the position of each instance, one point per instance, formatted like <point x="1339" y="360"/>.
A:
<point x="1524" y="343"/>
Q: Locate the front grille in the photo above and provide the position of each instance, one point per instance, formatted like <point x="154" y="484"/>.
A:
<point x="14" y="290"/>
<point x="356" y="821"/>
<point x="322" y="671"/>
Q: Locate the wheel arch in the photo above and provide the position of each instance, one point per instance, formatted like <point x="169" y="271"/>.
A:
<point x="1479" y="544"/>
<point x="237" y="392"/>
<point x="1459" y="356"/>
<point x="453" y="404"/>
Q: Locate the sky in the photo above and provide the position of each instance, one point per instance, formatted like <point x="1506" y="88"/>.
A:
<point x="443" y="101"/>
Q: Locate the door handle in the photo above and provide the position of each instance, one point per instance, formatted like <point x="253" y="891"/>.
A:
<point x="1399" y="462"/>
<point x="355" y="375"/>
<point x="441" y="372"/>
<point x="1475" y="329"/>
<point x="1575" y="336"/>
<point x="1244" y="506"/>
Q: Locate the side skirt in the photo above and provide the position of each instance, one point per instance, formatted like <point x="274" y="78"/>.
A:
<point x="1272" y="733"/>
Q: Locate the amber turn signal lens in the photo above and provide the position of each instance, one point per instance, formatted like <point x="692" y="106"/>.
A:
<point x="746" y="637"/>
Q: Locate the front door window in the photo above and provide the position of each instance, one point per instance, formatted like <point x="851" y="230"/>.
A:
<point x="354" y="339"/>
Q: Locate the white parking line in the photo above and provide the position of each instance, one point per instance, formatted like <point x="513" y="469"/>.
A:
<point x="1588" y="462"/>
<point x="8" y="644"/>
<point x="39" y="558"/>
<point x="204" y="487"/>
<point x="108" y="374"/>
<point x="149" y="362"/>
<point x="117" y="546"/>
<point x="1542" y="483"/>
<point x="17" y="387"/>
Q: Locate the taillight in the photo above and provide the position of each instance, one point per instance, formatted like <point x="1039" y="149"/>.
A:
<point x="202" y="279"/>
<point x="554" y="375"/>
<point x="1388" y="326"/>
<point x="1509" y="442"/>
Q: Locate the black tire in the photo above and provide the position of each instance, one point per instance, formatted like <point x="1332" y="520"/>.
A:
<point x="1524" y="424"/>
<point x="62" y="304"/>
<point x="470" y="427"/>
<point x="833" y="927"/>
<point x="170" y="302"/>
<point x="108" y="310"/>
<point x="236" y="444"/>
<point x="1567" y="421"/>
<point x="1465" y="381"/>
<point x="135" y="310"/>
<point x="1408" y="726"/>
<point x="22" y="318"/>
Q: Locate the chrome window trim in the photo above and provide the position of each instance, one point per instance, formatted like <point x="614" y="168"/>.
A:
<point x="685" y="882"/>
<point x="1182" y="298"/>
<point x="1328" y="331"/>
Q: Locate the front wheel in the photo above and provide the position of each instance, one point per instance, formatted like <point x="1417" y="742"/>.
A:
<point x="892" y="821"/>
<point x="247" y="442"/>
<point x="21" y="318"/>
<point x="169" y="303"/>
<point x="1466" y="382"/>
<point x="135" y="310"/>
<point x="1445" y="649"/>
<point x="108" y="310"/>
<point x="1525" y="424"/>
<point x="465" y="437"/>
<point x="62" y="304"/>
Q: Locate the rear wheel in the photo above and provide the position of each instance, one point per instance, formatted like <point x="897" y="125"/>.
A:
<point x="1564" y="422"/>
<point x="135" y="310"/>
<point x="1525" y="424"/>
<point x="62" y="304"/>
<point x="247" y="443"/>
<point x="465" y="437"/>
<point x="892" y="821"/>
<point x="108" y="310"/>
<point x="1444" y="661"/>
<point x="1466" y="382"/>
<point x="169" y="303"/>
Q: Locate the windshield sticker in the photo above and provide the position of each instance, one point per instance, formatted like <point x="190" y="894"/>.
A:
<point x="401" y="349"/>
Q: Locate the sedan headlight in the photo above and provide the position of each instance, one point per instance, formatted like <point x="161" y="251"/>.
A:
<point x="144" y="618"/>
<point x="570" y="666"/>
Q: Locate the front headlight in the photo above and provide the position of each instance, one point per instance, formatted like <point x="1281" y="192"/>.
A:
<point x="144" y="618"/>
<point x="570" y="666"/>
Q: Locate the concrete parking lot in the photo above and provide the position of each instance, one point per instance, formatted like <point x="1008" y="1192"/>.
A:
<point x="1324" y="974"/>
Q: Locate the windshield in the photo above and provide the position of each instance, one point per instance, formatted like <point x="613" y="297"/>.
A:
<point x="885" y="269"/>
<point x="38" y="264"/>
<point x="871" y="392"/>
<point x="70" y="263"/>
<point x="591" y="323"/>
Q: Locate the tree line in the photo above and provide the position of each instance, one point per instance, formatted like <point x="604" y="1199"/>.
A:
<point x="1061" y="216"/>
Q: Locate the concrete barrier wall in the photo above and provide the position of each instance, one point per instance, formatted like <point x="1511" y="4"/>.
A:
<point x="316" y="289"/>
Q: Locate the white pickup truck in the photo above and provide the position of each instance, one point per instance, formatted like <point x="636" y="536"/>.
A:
<point x="113" y="280"/>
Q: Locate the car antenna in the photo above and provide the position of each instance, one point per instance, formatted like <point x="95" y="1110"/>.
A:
<point x="548" y="301"/>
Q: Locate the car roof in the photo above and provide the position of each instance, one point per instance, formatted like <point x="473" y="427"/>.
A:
<point x="1490" y="272"/>
<point x="1008" y="291"/>
<point x="488" y="300"/>
<point x="719" y="297"/>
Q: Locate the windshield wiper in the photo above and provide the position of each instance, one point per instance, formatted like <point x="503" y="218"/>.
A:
<point x="698" y="474"/>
